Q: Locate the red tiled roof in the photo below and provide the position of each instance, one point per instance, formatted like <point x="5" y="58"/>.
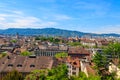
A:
<point x="87" y="40"/>
<point x="73" y="61"/>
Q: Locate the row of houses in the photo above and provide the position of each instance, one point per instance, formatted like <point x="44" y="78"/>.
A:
<point x="91" y="42"/>
<point x="79" y="58"/>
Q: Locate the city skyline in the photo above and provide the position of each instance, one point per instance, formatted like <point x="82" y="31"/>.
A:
<point x="96" y="16"/>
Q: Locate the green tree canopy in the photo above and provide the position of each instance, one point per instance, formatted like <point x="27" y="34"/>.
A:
<point x="26" y="53"/>
<point x="58" y="73"/>
<point x="113" y="49"/>
<point x="37" y="75"/>
<point x="82" y="76"/>
<point x="13" y="40"/>
<point x="61" y="55"/>
<point x="100" y="60"/>
<point x="13" y="75"/>
<point x="74" y="44"/>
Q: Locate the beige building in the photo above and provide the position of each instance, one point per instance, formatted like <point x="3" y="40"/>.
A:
<point x="73" y="66"/>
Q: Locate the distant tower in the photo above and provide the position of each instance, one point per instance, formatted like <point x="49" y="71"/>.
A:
<point x="17" y="35"/>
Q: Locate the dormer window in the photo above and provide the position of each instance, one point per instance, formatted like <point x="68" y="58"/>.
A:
<point x="32" y="65"/>
<point x="8" y="57"/>
<point x="74" y="63"/>
<point x="3" y="63"/>
<point x="19" y="65"/>
<point x="10" y="65"/>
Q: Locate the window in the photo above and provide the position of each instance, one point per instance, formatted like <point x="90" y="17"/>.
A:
<point x="73" y="68"/>
<point x="67" y="66"/>
<point x="10" y="65"/>
<point x="73" y="73"/>
<point x="8" y="57"/>
<point x="19" y="65"/>
<point x="32" y="65"/>
<point x="69" y="71"/>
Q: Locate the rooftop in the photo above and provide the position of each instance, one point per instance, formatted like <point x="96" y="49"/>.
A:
<point x="78" y="50"/>
<point x="25" y="63"/>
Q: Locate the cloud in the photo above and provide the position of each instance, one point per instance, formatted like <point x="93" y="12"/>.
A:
<point x="53" y="14"/>
<point x="18" y="12"/>
<point x="18" y="19"/>
<point x="109" y="29"/>
<point x="2" y="18"/>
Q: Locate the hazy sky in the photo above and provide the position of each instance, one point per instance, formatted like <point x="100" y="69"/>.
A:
<point x="97" y="16"/>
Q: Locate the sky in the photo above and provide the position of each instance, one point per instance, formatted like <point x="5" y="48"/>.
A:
<point x="95" y="16"/>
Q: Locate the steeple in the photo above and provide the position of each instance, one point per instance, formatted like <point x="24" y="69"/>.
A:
<point x="17" y="35"/>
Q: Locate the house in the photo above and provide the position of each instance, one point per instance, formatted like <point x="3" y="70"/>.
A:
<point x="79" y="52"/>
<point x="73" y="66"/>
<point x="8" y="48"/>
<point x="88" y="42"/>
<point x="24" y="64"/>
<point x="63" y="47"/>
<point x="113" y="67"/>
<point x="102" y="42"/>
<point x="48" y="52"/>
<point x="76" y="65"/>
<point x="86" y="67"/>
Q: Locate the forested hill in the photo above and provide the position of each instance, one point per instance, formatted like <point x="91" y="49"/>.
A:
<point x="50" y="32"/>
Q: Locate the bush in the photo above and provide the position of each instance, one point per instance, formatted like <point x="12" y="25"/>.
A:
<point x="26" y="53"/>
<point x="13" y="75"/>
<point x="61" y="55"/>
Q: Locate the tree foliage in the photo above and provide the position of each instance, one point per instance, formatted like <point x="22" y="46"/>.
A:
<point x="50" y="39"/>
<point x="37" y="75"/>
<point x="58" y="73"/>
<point x="13" y="40"/>
<point x="3" y="54"/>
<point x="26" y="53"/>
<point x="13" y="75"/>
<point x="61" y="55"/>
<point x="74" y="44"/>
<point x="113" y="50"/>
<point x="100" y="60"/>
<point x="82" y="76"/>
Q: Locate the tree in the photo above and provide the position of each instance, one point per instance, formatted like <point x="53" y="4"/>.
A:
<point x="56" y="40"/>
<point x="13" y="41"/>
<point x="75" y="44"/>
<point x="3" y="54"/>
<point x="37" y="75"/>
<point x="37" y="38"/>
<point x="101" y="63"/>
<point x="13" y="75"/>
<point x="100" y="60"/>
<point x="113" y="50"/>
<point x="61" y="55"/>
<point x="26" y="53"/>
<point x="91" y="77"/>
<point x="57" y="73"/>
<point x="82" y="76"/>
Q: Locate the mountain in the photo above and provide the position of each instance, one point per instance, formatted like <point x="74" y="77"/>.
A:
<point x="50" y="32"/>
